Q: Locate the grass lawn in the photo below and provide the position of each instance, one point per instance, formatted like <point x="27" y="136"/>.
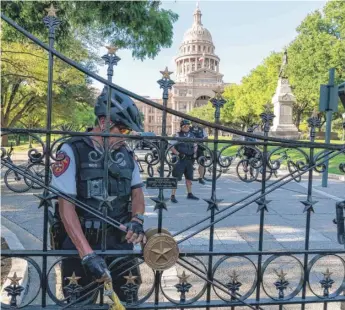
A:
<point x="231" y="151"/>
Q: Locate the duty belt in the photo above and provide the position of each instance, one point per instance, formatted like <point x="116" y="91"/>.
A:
<point x="93" y="230"/>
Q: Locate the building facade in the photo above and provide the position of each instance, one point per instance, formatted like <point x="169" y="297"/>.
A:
<point x="197" y="73"/>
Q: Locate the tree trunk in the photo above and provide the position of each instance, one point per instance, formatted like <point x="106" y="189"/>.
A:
<point x="4" y="140"/>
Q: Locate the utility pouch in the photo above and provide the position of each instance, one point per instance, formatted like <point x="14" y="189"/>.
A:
<point x="57" y="231"/>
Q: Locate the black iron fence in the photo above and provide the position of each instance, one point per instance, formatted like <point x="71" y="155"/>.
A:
<point x="208" y="278"/>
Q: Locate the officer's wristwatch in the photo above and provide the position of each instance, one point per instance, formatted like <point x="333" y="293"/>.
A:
<point x="139" y="216"/>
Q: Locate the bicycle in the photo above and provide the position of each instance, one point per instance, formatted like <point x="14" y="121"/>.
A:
<point x="292" y="167"/>
<point x="12" y="179"/>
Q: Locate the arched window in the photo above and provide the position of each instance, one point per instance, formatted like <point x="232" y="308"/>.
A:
<point x="199" y="48"/>
<point x="193" y="48"/>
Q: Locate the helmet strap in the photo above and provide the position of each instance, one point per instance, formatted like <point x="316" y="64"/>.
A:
<point x="102" y="123"/>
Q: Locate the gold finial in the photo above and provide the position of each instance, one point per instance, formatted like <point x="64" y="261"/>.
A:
<point x="218" y="91"/>
<point x="166" y="73"/>
<point x="51" y="10"/>
<point x="14" y="280"/>
<point x="73" y="279"/>
<point x="183" y="277"/>
<point x="314" y="114"/>
<point x="130" y="278"/>
<point x="234" y="276"/>
<point x="327" y="274"/>
<point x="281" y="275"/>
<point x="112" y="49"/>
<point x="268" y="106"/>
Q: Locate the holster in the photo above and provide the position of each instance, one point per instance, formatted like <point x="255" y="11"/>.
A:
<point x="57" y="230"/>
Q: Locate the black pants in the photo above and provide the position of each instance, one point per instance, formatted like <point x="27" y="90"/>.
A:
<point x="70" y="265"/>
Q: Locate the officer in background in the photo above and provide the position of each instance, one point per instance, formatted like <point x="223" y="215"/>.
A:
<point x="185" y="155"/>
<point x="76" y="174"/>
<point x="200" y="133"/>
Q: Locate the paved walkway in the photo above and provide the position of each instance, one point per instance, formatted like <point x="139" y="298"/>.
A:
<point x="284" y="230"/>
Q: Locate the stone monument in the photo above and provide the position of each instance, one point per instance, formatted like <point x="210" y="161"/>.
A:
<point x="283" y="101"/>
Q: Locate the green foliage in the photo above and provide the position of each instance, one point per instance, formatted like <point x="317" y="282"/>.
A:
<point x="126" y="24"/>
<point x="319" y="45"/>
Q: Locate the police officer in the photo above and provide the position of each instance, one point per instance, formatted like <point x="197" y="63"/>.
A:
<point x="186" y="154"/>
<point x="200" y="133"/>
<point x="76" y="174"/>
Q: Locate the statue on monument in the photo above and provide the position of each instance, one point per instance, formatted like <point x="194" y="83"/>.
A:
<point x="282" y="72"/>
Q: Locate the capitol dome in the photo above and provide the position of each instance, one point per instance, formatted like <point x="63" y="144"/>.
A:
<point x="197" y="32"/>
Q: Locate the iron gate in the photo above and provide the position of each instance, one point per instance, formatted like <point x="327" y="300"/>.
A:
<point x="212" y="288"/>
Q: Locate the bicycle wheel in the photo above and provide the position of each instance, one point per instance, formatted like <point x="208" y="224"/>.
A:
<point x="38" y="171"/>
<point x="294" y="171"/>
<point x="269" y="173"/>
<point x="154" y="171"/>
<point x="16" y="182"/>
<point x="246" y="172"/>
<point x="209" y="171"/>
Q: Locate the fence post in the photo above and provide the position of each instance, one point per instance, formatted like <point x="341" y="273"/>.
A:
<point x="218" y="101"/>
<point x="51" y="22"/>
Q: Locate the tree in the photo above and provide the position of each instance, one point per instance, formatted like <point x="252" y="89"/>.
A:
<point x="320" y="45"/>
<point x="126" y="24"/>
<point x="24" y="85"/>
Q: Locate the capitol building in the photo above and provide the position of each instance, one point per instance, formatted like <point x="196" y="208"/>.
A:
<point x="197" y="73"/>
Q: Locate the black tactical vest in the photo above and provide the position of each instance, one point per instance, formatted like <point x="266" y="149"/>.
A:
<point x="186" y="148"/>
<point x="90" y="174"/>
<point x="198" y="132"/>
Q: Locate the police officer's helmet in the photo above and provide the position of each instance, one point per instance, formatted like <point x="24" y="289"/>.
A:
<point x="185" y="122"/>
<point x="123" y="110"/>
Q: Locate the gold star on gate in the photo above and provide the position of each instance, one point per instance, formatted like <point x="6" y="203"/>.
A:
<point x="112" y="49"/>
<point x="183" y="277"/>
<point x="14" y="280"/>
<point x="51" y="10"/>
<point x="166" y="73"/>
<point x="73" y="279"/>
<point x="281" y="275"/>
<point x="161" y="252"/>
<point x="327" y="274"/>
<point x="130" y="278"/>
<point x="234" y="276"/>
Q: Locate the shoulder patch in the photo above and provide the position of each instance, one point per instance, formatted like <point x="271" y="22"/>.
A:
<point x="61" y="165"/>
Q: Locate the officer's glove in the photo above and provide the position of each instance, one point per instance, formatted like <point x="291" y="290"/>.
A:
<point x="135" y="232"/>
<point x="181" y="156"/>
<point x="97" y="267"/>
<point x="136" y="227"/>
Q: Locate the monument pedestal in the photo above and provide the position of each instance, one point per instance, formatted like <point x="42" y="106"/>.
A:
<point x="283" y="100"/>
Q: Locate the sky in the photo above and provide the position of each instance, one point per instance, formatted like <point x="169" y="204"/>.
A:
<point x="243" y="32"/>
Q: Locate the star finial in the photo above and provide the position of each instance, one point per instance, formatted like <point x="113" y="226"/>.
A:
<point x="166" y="73"/>
<point x="73" y="279"/>
<point x="234" y="276"/>
<point x="112" y="49"/>
<point x="268" y="106"/>
<point x="183" y="277"/>
<point x="51" y="10"/>
<point x="314" y="114"/>
<point x="130" y="278"/>
<point x="281" y="275"/>
<point x="15" y="279"/>
<point x="218" y="91"/>
<point x="327" y="274"/>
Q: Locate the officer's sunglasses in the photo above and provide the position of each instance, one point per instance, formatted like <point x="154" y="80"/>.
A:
<point x="125" y="131"/>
